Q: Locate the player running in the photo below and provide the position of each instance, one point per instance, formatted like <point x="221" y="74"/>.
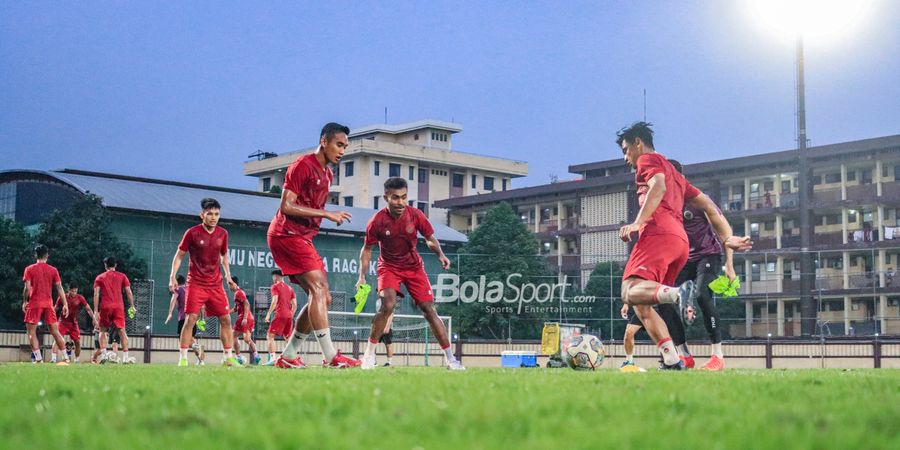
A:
<point x="37" y="303"/>
<point x="394" y="229"/>
<point x="387" y="338"/>
<point x="284" y="305"/>
<point x="111" y="312"/>
<point x="178" y="301"/>
<point x="290" y="236"/>
<point x="662" y="246"/>
<point x="68" y="324"/>
<point x="243" y="325"/>
<point x="207" y="244"/>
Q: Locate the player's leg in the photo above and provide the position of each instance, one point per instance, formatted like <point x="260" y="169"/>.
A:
<point x="645" y="279"/>
<point x="270" y="345"/>
<point x="316" y="286"/>
<point x="31" y="328"/>
<point x="237" y="336"/>
<point x="187" y="337"/>
<point x="440" y="333"/>
<point x="389" y="350"/>
<point x="634" y="325"/>
<point x="227" y="339"/>
<point x="54" y="350"/>
<point x="707" y="271"/>
<point x="76" y="346"/>
<point x="657" y="330"/>
<point x="388" y="302"/>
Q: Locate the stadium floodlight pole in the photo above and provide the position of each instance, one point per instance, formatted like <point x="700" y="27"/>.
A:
<point x="808" y="313"/>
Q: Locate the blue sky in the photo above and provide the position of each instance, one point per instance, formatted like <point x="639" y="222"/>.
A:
<point x="186" y="90"/>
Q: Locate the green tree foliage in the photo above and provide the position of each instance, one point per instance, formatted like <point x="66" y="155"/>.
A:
<point x="605" y="285"/>
<point x="275" y="190"/>
<point x="17" y="250"/>
<point x="500" y="246"/>
<point x="79" y="238"/>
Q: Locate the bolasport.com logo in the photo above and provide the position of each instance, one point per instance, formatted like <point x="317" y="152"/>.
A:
<point x="512" y="295"/>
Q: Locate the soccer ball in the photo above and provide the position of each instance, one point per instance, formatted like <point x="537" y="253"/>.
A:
<point x="585" y="352"/>
<point x="109" y="358"/>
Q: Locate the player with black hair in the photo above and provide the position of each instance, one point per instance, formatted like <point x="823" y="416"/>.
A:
<point x="108" y="286"/>
<point x="40" y="280"/>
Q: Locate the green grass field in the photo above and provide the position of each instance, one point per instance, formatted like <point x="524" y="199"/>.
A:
<point x="157" y="406"/>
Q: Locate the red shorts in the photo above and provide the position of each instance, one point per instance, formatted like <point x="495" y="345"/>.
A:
<point x="294" y="255"/>
<point x="281" y="326"/>
<point x="241" y="329"/>
<point x="213" y="298"/>
<point x="70" y="329"/>
<point x="416" y="282"/>
<point x="112" y="317"/>
<point x="35" y="314"/>
<point x="657" y="258"/>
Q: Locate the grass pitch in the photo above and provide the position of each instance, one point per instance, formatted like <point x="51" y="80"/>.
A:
<point x="163" y="406"/>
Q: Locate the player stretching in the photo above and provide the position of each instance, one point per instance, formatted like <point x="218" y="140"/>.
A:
<point x="68" y="324"/>
<point x="111" y="312"/>
<point x="208" y="245"/>
<point x="662" y="246"/>
<point x="284" y="305"/>
<point x="243" y="325"/>
<point x="290" y="235"/>
<point x="178" y="301"/>
<point x="40" y="279"/>
<point x="394" y="229"/>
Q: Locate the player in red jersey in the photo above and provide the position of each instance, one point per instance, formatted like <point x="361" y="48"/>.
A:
<point x="68" y="324"/>
<point x="40" y="279"/>
<point x="284" y="305"/>
<point x="208" y="245"/>
<point x="395" y="229"/>
<point x="662" y="245"/>
<point x="111" y="312"/>
<point x="290" y="235"/>
<point x="243" y="325"/>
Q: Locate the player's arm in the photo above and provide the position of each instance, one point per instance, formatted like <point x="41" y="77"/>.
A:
<point x="130" y="296"/>
<point x="97" y="303"/>
<point x="26" y="294"/>
<point x="365" y="257"/>
<point x="247" y="311"/>
<point x="226" y="267"/>
<point x="435" y="246"/>
<point x="176" y="264"/>
<point x="61" y="296"/>
<point x="90" y="311"/>
<point x="271" y="307"/>
<point x="624" y="311"/>
<point x="289" y="207"/>
<point x="293" y="305"/>
<point x="172" y="304"/>
<point x="719" y="224"/>
<point x="655" y="194"/>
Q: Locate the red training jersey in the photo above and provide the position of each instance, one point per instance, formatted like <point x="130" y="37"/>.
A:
<point x="667" y="219"/>
<point x="205" y="251"/>
<point x="111" y="284"/>
<point x="43" y="278"/>
<point x="397" y="238"/>
<point x="310" y="181"/>
<point x="285" y="294"/>
<point x="75" y="302"/>
<point x="239" y="298"/>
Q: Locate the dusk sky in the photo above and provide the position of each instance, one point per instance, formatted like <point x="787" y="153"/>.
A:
<point x="186" y="90"/>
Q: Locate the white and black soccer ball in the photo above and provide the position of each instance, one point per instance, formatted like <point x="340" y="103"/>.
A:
<point x="585" y="352"/>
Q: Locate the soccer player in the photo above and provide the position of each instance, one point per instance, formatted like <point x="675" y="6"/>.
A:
<point x="395" y="229"/>
<point x="111" y="312"/>
<point x="68" y="325"/>
<point x="284" y="305"/>
<point x="662" y="246"/>
<point x="207" y="244"/>
<point x="290" y="236"/>
<point x="178" y="301"/>
<point x="40" y="279"/>
<point x="243" y="325"/>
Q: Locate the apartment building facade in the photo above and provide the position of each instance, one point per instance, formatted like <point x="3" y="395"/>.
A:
<point x="420" y="151"/>
<point x="856" y="240"/>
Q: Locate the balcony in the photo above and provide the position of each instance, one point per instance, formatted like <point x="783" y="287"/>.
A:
<point x="863" y="281"/>
<point x="569" y="262"/>
<point x="829" y="282"/>
<point x="762" y="287"/>
<point x="862" y="194"/>
<point x="765" y="243"/>
<point x="789" y="241"/>
<point x="828" y="239"/>
<point x="826" y="196"/>
<point x="890" y="193"/>
<point x="789" y="200"/>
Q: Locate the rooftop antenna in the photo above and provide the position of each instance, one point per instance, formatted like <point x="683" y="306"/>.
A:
<point x="385" y="115"/>
<point x="645" y="105"/>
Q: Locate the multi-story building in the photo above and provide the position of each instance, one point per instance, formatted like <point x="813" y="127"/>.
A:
<point x="420" y="151"/>
<point x="856" y="240"/>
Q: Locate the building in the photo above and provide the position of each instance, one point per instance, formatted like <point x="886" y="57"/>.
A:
<point x="856" y="204"/>
<point x="152" y="215"/>
<point x="420" y="151"/>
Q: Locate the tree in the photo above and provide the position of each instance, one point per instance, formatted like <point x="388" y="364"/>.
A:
<point x="275" y="190"/>
<point x="79" y="238"/>
<point x="17" y="250"/>
<point x="605" y="285"/>
<point x="500" y="246"/>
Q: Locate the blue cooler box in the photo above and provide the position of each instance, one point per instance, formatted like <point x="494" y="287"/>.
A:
<point x="518" y="359"/>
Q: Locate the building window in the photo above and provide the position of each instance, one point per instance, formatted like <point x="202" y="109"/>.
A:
<point x="851" y="216"/>
<point x="768" y="186"/>
<point x="337" y="177"/>
<point x="348" y="169"/>
<point x="416" y="137"/>
<point x="423" y="175"/>
<point x="377" y="168"/>
<point x="412" y="171"/>
<point x="785" y="187"/>
<point x="267" y="184"/>
<point x="474" y="181"/>
<point x="375" y="201"/>
<point x="770" y="225"/>
<point x="393" y="170"/>
<point x="348" y="201"/>
<point x="489" y="183"/>
<point x="411" y="203"/>
<point x="422" y="206"/>
<point x="504" y="184"/>
<point x="851" y="175"/>
<point x="866" y="176"/>
<point x="833" y="177"/>
<point x="817" y="180"/>
<point x="458" y="180"/>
